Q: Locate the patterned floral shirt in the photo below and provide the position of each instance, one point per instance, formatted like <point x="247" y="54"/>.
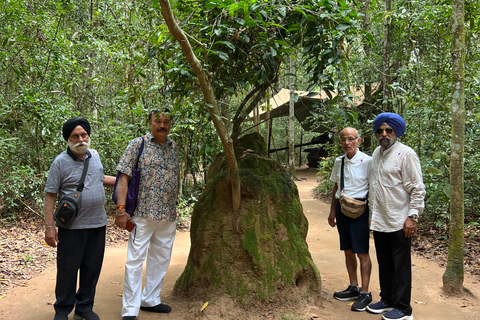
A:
<point x="157" y="195"/>
<point x="396" y="187"/>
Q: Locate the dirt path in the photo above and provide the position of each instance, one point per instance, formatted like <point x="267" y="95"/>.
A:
<point x="35" y="300"/>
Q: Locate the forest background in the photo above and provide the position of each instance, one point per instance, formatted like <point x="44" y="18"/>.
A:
<point x="113" y="61"/>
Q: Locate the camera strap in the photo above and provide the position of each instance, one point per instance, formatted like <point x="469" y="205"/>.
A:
<point x="84" y="173"/>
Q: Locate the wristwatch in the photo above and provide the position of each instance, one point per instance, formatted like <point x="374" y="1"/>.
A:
<point x="414" y="217"/>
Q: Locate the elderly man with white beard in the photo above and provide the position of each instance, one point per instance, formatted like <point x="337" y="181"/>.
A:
<point x="81" y="247"/>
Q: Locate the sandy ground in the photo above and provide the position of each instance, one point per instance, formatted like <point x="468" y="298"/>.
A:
<point x="35" y="300"/>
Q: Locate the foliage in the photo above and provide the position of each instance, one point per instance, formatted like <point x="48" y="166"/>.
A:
<point x="60" y="60"/>
<point x="112" y="62"/>
<point x="421" y="86"/>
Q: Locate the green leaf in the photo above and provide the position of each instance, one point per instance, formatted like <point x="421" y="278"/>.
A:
<point x="227" y="43"/>
<point x="343" y="26"/>
<point x="222" y="55"/>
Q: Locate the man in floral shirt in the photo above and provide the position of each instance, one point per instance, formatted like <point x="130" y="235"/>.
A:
<point x="155" y="215"/>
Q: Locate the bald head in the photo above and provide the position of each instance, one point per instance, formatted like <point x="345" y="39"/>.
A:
<point x="350" y="130"/>
<point x="350" y="140"/>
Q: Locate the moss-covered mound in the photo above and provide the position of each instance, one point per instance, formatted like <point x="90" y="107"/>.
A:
<point x="259" y="253"/>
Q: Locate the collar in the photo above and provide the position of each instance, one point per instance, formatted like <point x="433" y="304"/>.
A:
<point x="354" y="159"/>
<point x="393" y="146"/>
<point x="74" y="156"/>
<point x="151" y="138"/>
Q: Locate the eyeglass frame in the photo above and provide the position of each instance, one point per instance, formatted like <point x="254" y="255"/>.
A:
<point x="349" y="139"/>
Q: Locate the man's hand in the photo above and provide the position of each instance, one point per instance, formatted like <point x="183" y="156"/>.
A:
<point x="121" y="218"/>
<point x="333" y="207"/>
<point x="331" y="219"/>
<point x="409" y="227"/>
<point x="51" y="236"/>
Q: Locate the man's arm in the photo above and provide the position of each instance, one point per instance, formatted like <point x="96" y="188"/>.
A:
<point x="413" y="183"/>
<point x="109" y="181"/>
<point x="51" y="236"/>
<point x="333" y="207"/>
<point x="122" y="188"/>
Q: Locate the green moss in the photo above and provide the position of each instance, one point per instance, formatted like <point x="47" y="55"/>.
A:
<point x="187" y="277"/>
<point x="252" y="253"/>
<point x="252" y="141"/>
<point x="250" y="243"/>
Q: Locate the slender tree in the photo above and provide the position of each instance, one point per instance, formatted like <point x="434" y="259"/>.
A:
<point x="209" y="95"/>
<point x="386" y="57"/>
<point x="454" y="273"/>
<point x="291" y="125"/>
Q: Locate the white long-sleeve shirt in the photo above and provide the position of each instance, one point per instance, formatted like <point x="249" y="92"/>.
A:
<point x="396" y="187"/>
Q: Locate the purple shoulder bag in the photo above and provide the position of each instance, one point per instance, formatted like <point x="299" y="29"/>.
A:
<point x="133" y="185"/>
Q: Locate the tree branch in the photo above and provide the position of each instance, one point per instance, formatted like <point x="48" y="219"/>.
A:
<point x="207" y="89"/>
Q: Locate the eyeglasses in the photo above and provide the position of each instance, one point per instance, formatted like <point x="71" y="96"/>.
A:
<point x="75" y="137"/>
<point x="388" y="130"/>
<point x="349" y="139"/>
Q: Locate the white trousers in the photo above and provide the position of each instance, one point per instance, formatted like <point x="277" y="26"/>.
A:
<point x="154" y="239"/>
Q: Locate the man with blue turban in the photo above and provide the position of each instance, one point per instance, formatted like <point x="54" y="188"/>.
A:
<point x="396" y="198"/>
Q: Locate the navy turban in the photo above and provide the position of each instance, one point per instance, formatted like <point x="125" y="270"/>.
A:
<point x="71" y="124"/>
<point x="393" y="120"/>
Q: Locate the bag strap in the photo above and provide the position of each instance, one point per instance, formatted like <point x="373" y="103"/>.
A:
<point x="84" y="173"/>
<point x="140" y="152"/>
<point x="342" y="182"/>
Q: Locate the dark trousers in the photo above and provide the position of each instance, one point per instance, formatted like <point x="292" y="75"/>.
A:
<point x="395" y="269"/>
<point x="78" y="250"/>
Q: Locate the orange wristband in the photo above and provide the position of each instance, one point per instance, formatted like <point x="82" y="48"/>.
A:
<point x="120" y="207"/>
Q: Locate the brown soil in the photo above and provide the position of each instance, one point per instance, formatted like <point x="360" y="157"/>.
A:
<point x="27" y="275"/>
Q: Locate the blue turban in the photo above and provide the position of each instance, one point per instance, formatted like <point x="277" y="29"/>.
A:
<point x="71" y="124"/>
<point x="393" y="120"/>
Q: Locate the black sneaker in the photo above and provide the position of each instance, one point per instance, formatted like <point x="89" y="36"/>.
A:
<point x="379" y="307"/>
<point x="59" y="316"/>
<point x="86" y="315"/>
<point x="351" y="293"/>
<point x="396" y="314"/>
<point x="363" y="300"/>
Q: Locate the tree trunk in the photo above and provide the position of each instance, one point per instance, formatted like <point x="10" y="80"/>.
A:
<point x="387" y="105"/>
<point x="454" y="273"/>
<point x="291" y="136"/>
<point x="367" y="100"/>
<point x="208" y="93"/>
<point x="291" y="128"/>
<point x="267" y="121"/>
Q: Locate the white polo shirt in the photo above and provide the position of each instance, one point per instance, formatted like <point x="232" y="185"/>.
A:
<point x="355" y="175"/>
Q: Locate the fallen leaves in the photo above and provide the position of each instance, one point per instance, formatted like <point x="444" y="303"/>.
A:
<point x="204" y="306"/>
<point x="24" y="253"/>
<point x="432" y="243"/>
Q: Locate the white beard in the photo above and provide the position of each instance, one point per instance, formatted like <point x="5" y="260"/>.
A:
<point x="386" y="142"/>
<point x="79" y="147"/>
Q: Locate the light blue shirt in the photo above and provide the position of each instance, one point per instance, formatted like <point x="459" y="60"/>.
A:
<point x="63" y="177"/>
